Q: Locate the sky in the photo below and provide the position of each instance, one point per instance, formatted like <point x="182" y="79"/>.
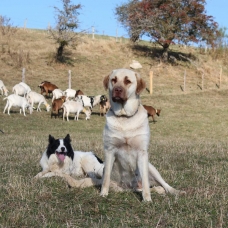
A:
<point x="97" y="14"/>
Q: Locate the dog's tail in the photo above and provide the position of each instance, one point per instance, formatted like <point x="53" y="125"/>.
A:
<point x="5" y="98"/>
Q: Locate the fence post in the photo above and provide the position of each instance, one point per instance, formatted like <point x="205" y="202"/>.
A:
<point x="93" y="33"/>
<point x="23" y="75"/>
<point x="69" y="78"/>
<point x="151" y="82"/>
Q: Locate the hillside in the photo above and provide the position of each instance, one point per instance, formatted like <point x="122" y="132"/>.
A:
<point x="93" y="59"/>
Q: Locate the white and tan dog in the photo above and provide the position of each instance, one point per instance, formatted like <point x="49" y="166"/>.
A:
<point x="126" y="137"/>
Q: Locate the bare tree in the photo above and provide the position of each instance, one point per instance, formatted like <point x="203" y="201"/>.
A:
<point x="67" y="22"/>
<point x="6" y="27"/>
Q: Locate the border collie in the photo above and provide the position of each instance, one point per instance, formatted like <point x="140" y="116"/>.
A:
<point x="59" y="159"/>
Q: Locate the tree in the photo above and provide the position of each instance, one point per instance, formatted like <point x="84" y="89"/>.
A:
<point x="6" y="27"/>
<point x="67" y="22"/>
<point x="168" y="21"/>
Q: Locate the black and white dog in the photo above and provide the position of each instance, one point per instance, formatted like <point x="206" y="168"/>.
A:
<point x="59" y="159"/>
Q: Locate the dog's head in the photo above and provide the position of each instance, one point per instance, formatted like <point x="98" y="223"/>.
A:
<point x="60" y="147"/>
<point x="124" y="88"/>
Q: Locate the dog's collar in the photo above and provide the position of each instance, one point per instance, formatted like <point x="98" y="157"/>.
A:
<point x="125" y="115"/>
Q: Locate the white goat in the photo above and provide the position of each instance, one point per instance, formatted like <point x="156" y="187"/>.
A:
<point x="17" y="101"/>
<point x="34" y="97"/>
<point x="56" y="94"/>
<point x="3" y="88"/>
<point x="19" y="90"/>
<point x="28" y="89"/>
<point x="74" y="107"/>
<point x="89" y="101"/>
<point x="69" y="93"/>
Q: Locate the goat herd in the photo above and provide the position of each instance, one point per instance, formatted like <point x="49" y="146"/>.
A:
<point x="69" y="101"/>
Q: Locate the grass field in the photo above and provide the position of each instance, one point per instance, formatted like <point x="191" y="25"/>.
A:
<point x="188" y="144"/>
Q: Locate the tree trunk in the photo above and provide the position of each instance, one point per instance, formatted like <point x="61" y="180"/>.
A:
<point x="60" y="52"/>
<point x="165" y="53"/>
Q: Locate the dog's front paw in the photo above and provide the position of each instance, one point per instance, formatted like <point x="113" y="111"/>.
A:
<point x="104" y="192"/>
<point x="146" y="197"/>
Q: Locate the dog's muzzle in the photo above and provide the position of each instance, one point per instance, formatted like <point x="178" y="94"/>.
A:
<point x="118" y="94"/>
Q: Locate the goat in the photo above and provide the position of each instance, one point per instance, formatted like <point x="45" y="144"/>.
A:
<point x="19" y="90"/>
<point x="79" y="92"/>
<point x="34" y="97"/>
<point x="17" y="101"/>
<point x="47" y="87"/>
<point x="69" y="93"/>
<point x="74" y="107"/>
<point x="104" y="105"/>
<point x="152" y="111"/>
<point x="56" y="93"/>
<point x="57" y="106"/>
<point x="28" y="89"/>
<point x="3" y="88"/>
<point x="89" y="101"/>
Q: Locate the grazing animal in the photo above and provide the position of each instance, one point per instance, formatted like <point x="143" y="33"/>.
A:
<point x="104" y="105"/>
<point x="59" y="159"/>
<point x="86" y="101"/>
<point x="57" y="106"/>
<point x="56" y="93"/>
<point x="89" y="101"/>
<point x="28" y="89"/>
<point x="3" y="89"/>
<point x="152" y="112"/>
<point x="74" y="107"/>
<point x="34" y="97"/>
<point x="17" y="101"/>
<point x="69" y="93"/>
<point x="79" y="92"/>
<point x="19" y="90"/>
<point x="47" y="87"/>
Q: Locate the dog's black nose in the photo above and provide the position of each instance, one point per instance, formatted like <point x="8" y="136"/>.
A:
<point x="63" y="149"/>
<point x="118" y="89"/>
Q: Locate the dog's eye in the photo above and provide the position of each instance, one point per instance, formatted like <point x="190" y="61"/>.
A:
<point x="114" y="80"/>
<point x="127" y="81"/>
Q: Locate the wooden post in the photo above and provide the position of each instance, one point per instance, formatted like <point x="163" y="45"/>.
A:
<point x="151" y="82"/>
<point x="93" y="33"/>
<point x="23" y="75"/>
<point x="184" y="79"/>
<point x="220" y="78"/>
<point x="69" y="77"/>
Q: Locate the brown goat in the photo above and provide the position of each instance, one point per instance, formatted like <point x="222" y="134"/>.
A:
<point x="104" y="105"/>
<point x="78" y="92"/>
<point x="47" y="87"/>
<point x="57" y="106"/>
<point x="152" y="111"/>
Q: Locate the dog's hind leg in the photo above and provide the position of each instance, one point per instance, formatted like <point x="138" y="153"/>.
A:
<point x="155" y="177"/>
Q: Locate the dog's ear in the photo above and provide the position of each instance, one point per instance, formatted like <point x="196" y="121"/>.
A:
<point x="68" y="138"/>
<point x="51" y="139"/>
<point x="105" y="82"/>
<point x="141" y="85"/>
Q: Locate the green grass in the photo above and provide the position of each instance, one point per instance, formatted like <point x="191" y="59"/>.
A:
<point x="188" y="144"/>
<point x="188" y="147"/>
